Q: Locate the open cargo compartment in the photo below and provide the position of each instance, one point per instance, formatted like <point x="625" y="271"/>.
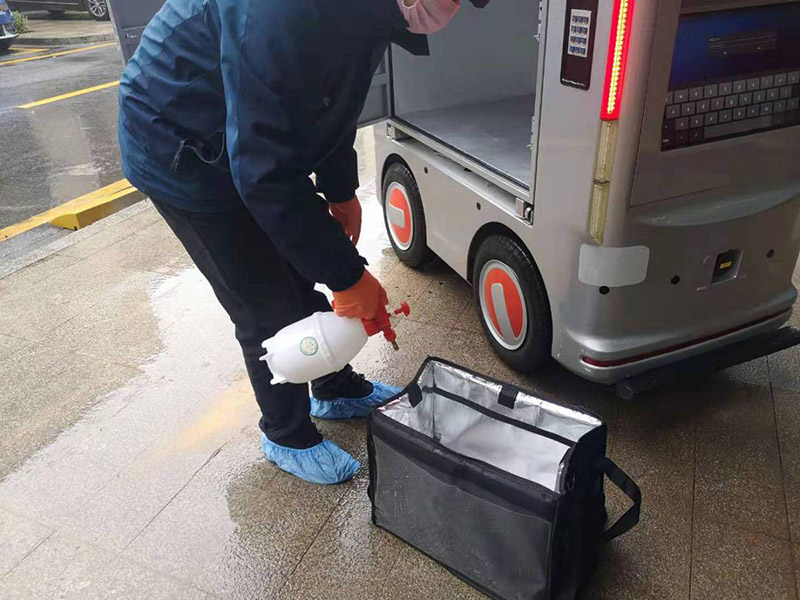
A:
<point x="475" y="93"/>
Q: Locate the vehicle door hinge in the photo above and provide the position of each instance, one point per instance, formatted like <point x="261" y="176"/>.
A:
<point x="524" y="210"/>
<point x="394" y="133"/>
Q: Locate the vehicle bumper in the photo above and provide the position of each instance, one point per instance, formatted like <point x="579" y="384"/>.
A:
<point x="611" y="371"/>
<point x="714" y="360"/>
<point x="8" y="32"/>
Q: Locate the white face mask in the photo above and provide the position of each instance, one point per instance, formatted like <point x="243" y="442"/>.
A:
<point x="428" y="16"/>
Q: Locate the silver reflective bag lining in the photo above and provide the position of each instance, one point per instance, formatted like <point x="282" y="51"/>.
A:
<point x="479" y="434"/>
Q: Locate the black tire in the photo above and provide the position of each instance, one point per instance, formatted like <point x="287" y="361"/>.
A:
<point x="535" y="340"/>
<point x="98" y="9"/>
<point x="416" y="254"/>
<point x="5" y="46"/>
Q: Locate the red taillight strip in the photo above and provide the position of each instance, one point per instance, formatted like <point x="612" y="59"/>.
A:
<point x="617" y="61"/>
<point x="631" y="359"/>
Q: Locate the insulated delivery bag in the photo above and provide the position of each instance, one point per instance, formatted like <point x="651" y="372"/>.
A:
<point x="501" y="487"/>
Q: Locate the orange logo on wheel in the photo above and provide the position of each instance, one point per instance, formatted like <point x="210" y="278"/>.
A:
<point x="400" y="216"/>
<point x="505" y="309"/>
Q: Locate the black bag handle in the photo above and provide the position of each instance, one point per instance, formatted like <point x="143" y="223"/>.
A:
<point x="631" y="517"/>
<point x="507" y="397"/>
<point x="414" y="394"/>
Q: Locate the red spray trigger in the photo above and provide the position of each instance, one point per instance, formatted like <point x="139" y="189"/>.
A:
<point x="382" y="323"/>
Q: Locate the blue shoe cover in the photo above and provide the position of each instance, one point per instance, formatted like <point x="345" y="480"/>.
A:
<point x="324" y="463"/>
<point x="349" y="408"/>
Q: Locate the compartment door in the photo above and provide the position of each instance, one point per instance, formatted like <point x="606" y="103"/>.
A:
<point x="130" y="17"/>
<point x="378" y="105"/>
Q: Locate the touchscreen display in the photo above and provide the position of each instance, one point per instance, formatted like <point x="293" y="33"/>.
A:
<point x="734" y="72"/>
<point x="738" y="42"/>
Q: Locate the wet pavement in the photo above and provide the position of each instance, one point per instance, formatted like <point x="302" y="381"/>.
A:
<point x="54" y="153"/>
<point x="130" y="464"/>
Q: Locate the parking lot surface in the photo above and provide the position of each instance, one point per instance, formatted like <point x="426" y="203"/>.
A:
<point x="58" y="109"/>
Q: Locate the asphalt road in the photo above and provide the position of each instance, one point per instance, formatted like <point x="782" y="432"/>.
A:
<point x="53" y="153"/>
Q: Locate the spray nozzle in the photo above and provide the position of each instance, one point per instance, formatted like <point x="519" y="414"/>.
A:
<point x="382" y="323"/>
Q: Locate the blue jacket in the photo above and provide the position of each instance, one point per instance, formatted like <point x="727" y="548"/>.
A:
<point x="229" y="101"/>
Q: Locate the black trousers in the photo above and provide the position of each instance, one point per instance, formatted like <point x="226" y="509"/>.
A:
<point x="261" y="293"/>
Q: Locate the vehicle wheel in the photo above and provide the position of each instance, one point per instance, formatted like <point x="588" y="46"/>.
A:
<point x="512" y="304"/>
<point x="403" y="216"/>
<point x="5" y="45"/>
<point x="98" y="9"/>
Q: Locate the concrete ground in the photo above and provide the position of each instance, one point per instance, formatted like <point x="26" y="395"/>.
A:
<point x="68" y="28"/>
<point x="130" y="466"/>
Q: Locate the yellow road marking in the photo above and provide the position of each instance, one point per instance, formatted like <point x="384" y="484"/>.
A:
<point x="65" y="214"/>
<point x="20" y="52"/>
<point x="54" y="54"/>
<point x="94" y="88"/>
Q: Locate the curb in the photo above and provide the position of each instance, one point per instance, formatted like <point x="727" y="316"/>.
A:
<point x="66" y="41"/>
<point x="81" y="211"/>
<point x="92" y="209"/>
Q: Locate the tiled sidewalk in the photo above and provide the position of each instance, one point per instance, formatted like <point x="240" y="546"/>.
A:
<point x="130" y="466"/>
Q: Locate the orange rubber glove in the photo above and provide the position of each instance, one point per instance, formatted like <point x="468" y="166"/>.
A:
<point x="349" y="215"/>
<point x="362" y="301"/>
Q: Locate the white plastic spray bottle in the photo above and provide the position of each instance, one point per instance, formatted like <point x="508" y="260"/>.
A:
<point x="323" y="343"/>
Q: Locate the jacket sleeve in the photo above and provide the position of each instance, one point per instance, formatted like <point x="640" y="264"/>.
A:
<point x="270" y="66"/>
<point x="337" y="175"/>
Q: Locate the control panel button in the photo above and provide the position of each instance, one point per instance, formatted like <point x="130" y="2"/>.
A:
<point x="580" y="20"/>
<point x="737" y="127"/>
<point x="712" y="111"/>
<point x="696" y="136"/>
